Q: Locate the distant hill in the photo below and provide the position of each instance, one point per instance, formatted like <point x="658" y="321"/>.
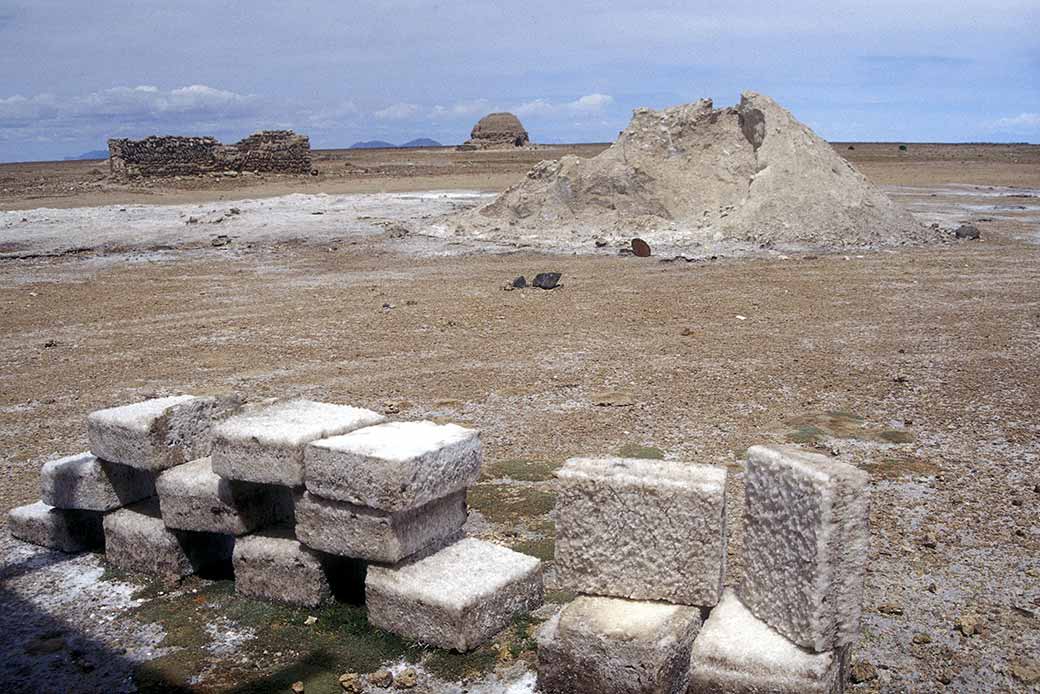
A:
<point x="372" y="144"/>
<point x="422" y="142"/>
<point x="92" y="154"/>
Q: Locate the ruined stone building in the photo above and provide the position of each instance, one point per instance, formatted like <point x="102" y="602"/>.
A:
<point x="268" y="151"/>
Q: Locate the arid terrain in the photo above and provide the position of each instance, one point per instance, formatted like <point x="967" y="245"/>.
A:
<point x="920" y="365"/>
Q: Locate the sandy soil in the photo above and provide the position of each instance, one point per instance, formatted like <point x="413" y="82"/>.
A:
<point x="921" y="366"/>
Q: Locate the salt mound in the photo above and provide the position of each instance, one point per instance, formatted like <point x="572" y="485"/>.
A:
<point x="497" y="131"/>
<point x="748" y="176"/>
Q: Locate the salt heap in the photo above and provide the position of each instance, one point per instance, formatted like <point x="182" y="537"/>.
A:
<point x="748" y="176"/>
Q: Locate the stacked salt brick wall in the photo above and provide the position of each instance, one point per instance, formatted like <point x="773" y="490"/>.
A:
<point x="269" y="151"/>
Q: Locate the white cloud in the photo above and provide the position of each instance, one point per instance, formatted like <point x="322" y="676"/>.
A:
<point x="401" y="111"/>
<point x="1019" y="123"/>
<point x="590" y="103"/>
<point x="476" y="107"/>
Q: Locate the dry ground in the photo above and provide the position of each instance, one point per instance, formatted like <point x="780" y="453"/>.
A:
<point x="922" y="366"/>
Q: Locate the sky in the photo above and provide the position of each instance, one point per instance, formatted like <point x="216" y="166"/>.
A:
<point x="73" y="73"/>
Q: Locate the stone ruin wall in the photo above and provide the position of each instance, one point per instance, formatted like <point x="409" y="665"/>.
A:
<point x="268" y="151"/>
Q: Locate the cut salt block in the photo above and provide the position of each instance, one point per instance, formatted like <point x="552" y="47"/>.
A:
<point x="642" y="529"/>
<point x="340" y="528"/>
<point x="805" y="545"/>
<point x="159" y="433"/>
<point x="265" y="444"/>
<point x="193" y="497"/>
<point x="739" y="653"/>
<point x="273" y="565"/>
<point x="458" y="597"/>
<point x="55" y="528"/>
<point x="136" y="539"/>
<point x="86" y="482"/>
<point x="394" y="466"/>
<point x="601" y="645"/>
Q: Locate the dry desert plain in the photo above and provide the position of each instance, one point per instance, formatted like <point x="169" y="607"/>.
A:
<point x="920" y="365"/>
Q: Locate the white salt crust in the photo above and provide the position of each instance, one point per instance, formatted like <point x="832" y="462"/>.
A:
<point x="86" y="482"/>
<point x="398" y="441"/>
<point x="138" y="416"/>
<point x="293" y="423"/>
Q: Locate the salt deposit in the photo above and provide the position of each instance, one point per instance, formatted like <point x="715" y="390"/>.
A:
<point x="750" y="176"/>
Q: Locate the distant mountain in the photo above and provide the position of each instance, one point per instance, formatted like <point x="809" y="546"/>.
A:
<point x="372" y="144"/>
<point x="92" y="154"/>
<point x="422" y="142"/>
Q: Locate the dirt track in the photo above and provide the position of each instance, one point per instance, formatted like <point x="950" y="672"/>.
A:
<point x="922" y="366"/>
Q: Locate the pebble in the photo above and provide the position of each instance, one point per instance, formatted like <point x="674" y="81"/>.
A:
<point x="1026" y="670"/>
<point x="921" y="639"/>
<point x="863" y="671"/>
<point x="297" y="687"/>
<point x="546" y="280"/>
<point x="890" y="608"/>
<point x="381" y="678"/>
<point x="406" y="679"/>
<point x="310" y="620"/>
<point x="967" y="624"/>
<point x="351" y="682"/>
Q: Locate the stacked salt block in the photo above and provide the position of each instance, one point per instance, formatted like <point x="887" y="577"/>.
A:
<point x="394" y="494"/>
<point x="129" y="445"/>
<point x="798" y="612"/>
<point x="632" y="535"/>
<point x="457" y="597"/>
<point x="254" y="480"/>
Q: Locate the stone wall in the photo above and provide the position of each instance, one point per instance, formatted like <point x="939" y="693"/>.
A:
<point x="269" y="151"/>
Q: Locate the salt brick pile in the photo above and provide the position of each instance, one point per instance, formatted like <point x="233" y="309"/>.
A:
<point x="644" y="543"/>
<point x="295" y="497"/>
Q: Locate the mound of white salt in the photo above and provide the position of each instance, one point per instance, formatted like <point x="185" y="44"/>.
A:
<point x="690" y="175"/>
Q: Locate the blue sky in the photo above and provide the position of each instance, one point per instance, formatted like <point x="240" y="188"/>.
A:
<point x="75" y="73"/>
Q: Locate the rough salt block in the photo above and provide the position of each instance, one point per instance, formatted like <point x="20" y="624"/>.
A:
<point x="55" y="528"/>
<point x="159" y="433"/>
<point x="86" y="482"/>
<point x="266" y="444"/>
<point x="739" y="653"/>
<point x="601" y="645"/>
<point x="193" y="497"/>
<point x="642" y="529"/>
<point x="136" y="539"/>
<point x="805" y="545"/>
<point x="338" y="527"/>
<point x="273" y="565"/>
<point x="458" y="597"/>
<point x="394" y="466"/>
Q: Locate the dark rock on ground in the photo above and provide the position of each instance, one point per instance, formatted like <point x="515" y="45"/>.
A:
<point x="546" y="280"/>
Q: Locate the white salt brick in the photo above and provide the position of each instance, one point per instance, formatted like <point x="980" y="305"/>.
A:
<point x="366" y="533"/>
<point x="805" y="545"/>
<point x="739" y="653"/>
<point x="394" y="466"/>
<point x="86" y="482"/>
<point x="265" y="444"/>
<point x="456" y="598"/>
<point x="136" y="539"/>
<point x="273" y="565"/>
<point x="55" y="528"/>
<point x="193" y="497"/>
<point x="159" y="433"/>
<point x="615" y="646"/>
<point x="642" y="529"/>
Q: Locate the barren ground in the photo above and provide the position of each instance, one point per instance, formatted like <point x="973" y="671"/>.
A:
<point x="922" y="366"/>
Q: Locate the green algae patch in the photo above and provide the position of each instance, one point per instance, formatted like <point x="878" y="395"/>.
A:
<point x="896" y="436"/>
<point x="841" y="424"/>
<point x="510" y="503"/>
<point x="633" y="450"/>
<point x="521" y="470"/>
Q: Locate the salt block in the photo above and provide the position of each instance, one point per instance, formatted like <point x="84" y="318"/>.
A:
<point x="159" y="433"/>
<point x="338" y="527"/>
<point x="805" y="545"/>
<point x="265" y="444"/>
<point x="739" y="653"/>
<point x="613" y="646"/>
<point x="193" y="497"/>
<point x="394" y="466"/>
<point x="642" y="529"/>
<point x="55" y="528"/>
<point x="86" y="482"/>
<point x="458" y="597"/>
<point x="136" y="539"/>
<point x="273" y="565"/>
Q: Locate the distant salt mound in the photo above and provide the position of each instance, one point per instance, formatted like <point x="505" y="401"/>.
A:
<point x="749" y="176"/>
<point x="497" y="131"/>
